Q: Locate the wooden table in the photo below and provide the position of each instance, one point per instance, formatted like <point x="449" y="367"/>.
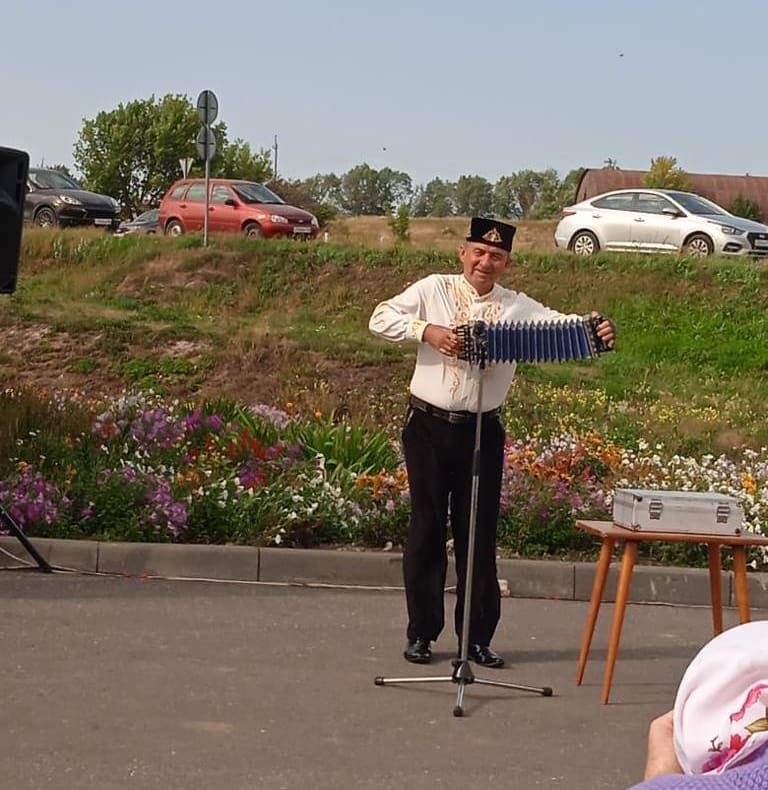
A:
<point x="611" y="533"/>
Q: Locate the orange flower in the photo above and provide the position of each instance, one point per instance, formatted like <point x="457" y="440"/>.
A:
<point x="748" y="483"/>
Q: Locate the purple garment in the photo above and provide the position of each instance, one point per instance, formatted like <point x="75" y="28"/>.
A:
<point x="750" y="776"/>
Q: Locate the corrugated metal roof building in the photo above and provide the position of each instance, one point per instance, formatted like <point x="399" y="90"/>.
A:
<point x="722" y="189"/>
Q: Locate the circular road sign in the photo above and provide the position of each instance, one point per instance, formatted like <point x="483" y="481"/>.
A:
<point x="207" y="107"/>
<point x="206" y="143"/>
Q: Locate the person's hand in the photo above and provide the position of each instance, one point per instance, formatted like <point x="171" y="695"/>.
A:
<point x="606" y="331"/>
<point x="441" y="339"/>
<point x="661" y="757"/>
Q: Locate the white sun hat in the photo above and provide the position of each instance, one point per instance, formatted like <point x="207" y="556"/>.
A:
<point x="720" y="716"/>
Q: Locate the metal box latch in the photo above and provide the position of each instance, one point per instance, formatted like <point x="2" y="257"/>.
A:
<point x="655" y="506"/>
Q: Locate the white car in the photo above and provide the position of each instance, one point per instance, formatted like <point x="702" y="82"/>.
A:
<point x="657" y="220"/>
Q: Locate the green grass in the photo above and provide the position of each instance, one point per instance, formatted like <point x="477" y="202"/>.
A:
<point x="287" y="321"/>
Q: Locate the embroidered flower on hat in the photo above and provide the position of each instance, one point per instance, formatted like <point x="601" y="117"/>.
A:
<point x="754" y="705"/>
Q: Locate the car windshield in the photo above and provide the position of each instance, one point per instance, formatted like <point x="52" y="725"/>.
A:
<point x="148" y="216"/>
<point x="52" y="179"/>
<point x="251" y="192"/>
<point x="696" y="204"/>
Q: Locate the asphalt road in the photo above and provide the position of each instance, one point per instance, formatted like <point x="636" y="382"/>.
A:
<point x="122" y="683"/>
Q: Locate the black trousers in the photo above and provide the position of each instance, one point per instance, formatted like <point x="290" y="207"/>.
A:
<point x="438" y="457"/>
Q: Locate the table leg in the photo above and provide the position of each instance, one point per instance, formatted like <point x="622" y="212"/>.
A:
<point x="622" y="593"/>
<point x="740" y="582"/>
<point x="715" y="587"/>
<point x="598" y="585"/>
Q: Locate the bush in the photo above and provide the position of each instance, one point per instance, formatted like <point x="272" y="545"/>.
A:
<point x="665" y="174"/>
<point x="749" y="209"/>
<point x="400" y="224"/>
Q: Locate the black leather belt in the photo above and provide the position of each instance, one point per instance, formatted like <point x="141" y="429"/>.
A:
<point x="455" y="417"/>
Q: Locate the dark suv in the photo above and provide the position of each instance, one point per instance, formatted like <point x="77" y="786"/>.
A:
<point x="240" y="206"/>
<point x="54" y="198"/>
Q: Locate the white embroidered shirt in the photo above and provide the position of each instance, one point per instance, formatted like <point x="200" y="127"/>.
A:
<point x="450" y="300"/>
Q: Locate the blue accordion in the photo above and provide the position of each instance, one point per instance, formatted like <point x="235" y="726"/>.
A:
<point x="531" y="341"/>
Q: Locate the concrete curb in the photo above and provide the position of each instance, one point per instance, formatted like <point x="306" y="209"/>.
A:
<point x="570" y="581"/>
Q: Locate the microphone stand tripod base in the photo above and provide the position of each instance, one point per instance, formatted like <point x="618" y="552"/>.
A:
<point x="463" y="676"/>
<point x="10" y="524"/>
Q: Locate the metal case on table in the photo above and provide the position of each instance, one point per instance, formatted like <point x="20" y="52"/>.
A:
<point x="687" y="512"/>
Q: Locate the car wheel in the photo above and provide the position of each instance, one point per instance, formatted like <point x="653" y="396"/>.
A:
<point x="253" y="231"/>
<point x="699" y="246"/>
<point x="174" y="228"/>
<point x="45" y="217"/>
<point x="584" y="243"/>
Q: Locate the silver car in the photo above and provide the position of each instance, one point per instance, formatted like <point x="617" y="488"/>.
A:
<point x="657" y="220"/>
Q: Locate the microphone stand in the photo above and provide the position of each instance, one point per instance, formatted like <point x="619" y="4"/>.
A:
<point x="8" y="521"/>
<point x="462" y="674"/>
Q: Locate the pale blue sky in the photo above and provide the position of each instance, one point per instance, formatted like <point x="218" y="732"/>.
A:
<point x="447" y="88"/>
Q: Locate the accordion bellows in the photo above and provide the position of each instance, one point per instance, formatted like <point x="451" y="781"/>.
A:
<point x="531" y="341"/>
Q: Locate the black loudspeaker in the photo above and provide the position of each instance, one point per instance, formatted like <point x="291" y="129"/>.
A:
<point x="13" y="186"/>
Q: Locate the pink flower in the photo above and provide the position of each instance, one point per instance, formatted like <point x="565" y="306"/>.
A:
<point x="752" y="697"/>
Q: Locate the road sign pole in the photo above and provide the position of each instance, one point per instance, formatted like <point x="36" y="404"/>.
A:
<point x="207" y="189"/>
<point x="207" y="110"/>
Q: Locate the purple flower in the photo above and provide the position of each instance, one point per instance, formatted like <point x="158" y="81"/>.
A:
<point x="214" y="423"/>
<point x="31" y="499"/>
<point x="156" y="428"/>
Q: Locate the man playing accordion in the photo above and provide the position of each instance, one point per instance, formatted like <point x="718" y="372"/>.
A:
<point x="439" y="434"/>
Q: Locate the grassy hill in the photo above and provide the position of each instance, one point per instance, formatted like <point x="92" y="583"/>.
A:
<point x="284" y="322"/>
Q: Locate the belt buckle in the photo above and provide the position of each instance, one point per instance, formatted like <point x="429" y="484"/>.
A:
<point x="420" y="405"/>
<point x="454" y="418"/>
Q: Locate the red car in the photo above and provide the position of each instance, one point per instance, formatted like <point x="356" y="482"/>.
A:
<point x="240" y="206"/>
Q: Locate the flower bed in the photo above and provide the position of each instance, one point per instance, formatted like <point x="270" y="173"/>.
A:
<point x="140" y="467"/>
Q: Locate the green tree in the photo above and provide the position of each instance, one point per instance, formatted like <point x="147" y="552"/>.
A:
<point x="516" y="195"/>
<point x="365" y="190"/>
<point x="133" y="151"/>
<point x="236" y="160"/>
<point x="534" y="194"/>
<point x="569" y="186"/>
<point x="549" y="200"/>
<point x="665" y="174"/>
<point x="505" y="198"/>
<point x="747" y="208"/>
<point x="325" y="189"/>
<point x="434" y="199"/>
<point x="396" y="188"/>
<point x="298" y="194"/>
<point x="473" y="196"/>
<point x="360" y="191"/>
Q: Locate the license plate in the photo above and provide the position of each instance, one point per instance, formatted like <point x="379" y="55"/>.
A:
<point x="761" y="242"/>
<point x="299" y="229"/>
<point x="100" y="221"/>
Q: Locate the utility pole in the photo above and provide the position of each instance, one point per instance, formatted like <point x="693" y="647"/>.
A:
<point x="274" y="160"/>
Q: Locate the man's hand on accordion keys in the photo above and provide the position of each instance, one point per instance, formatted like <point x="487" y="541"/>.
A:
<point x="442" y="339"/>
<point x="605" y="329"/>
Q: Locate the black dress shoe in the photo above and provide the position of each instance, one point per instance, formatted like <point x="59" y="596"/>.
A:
<point x="482" y="654"/>
<point x="417" y="651"/>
